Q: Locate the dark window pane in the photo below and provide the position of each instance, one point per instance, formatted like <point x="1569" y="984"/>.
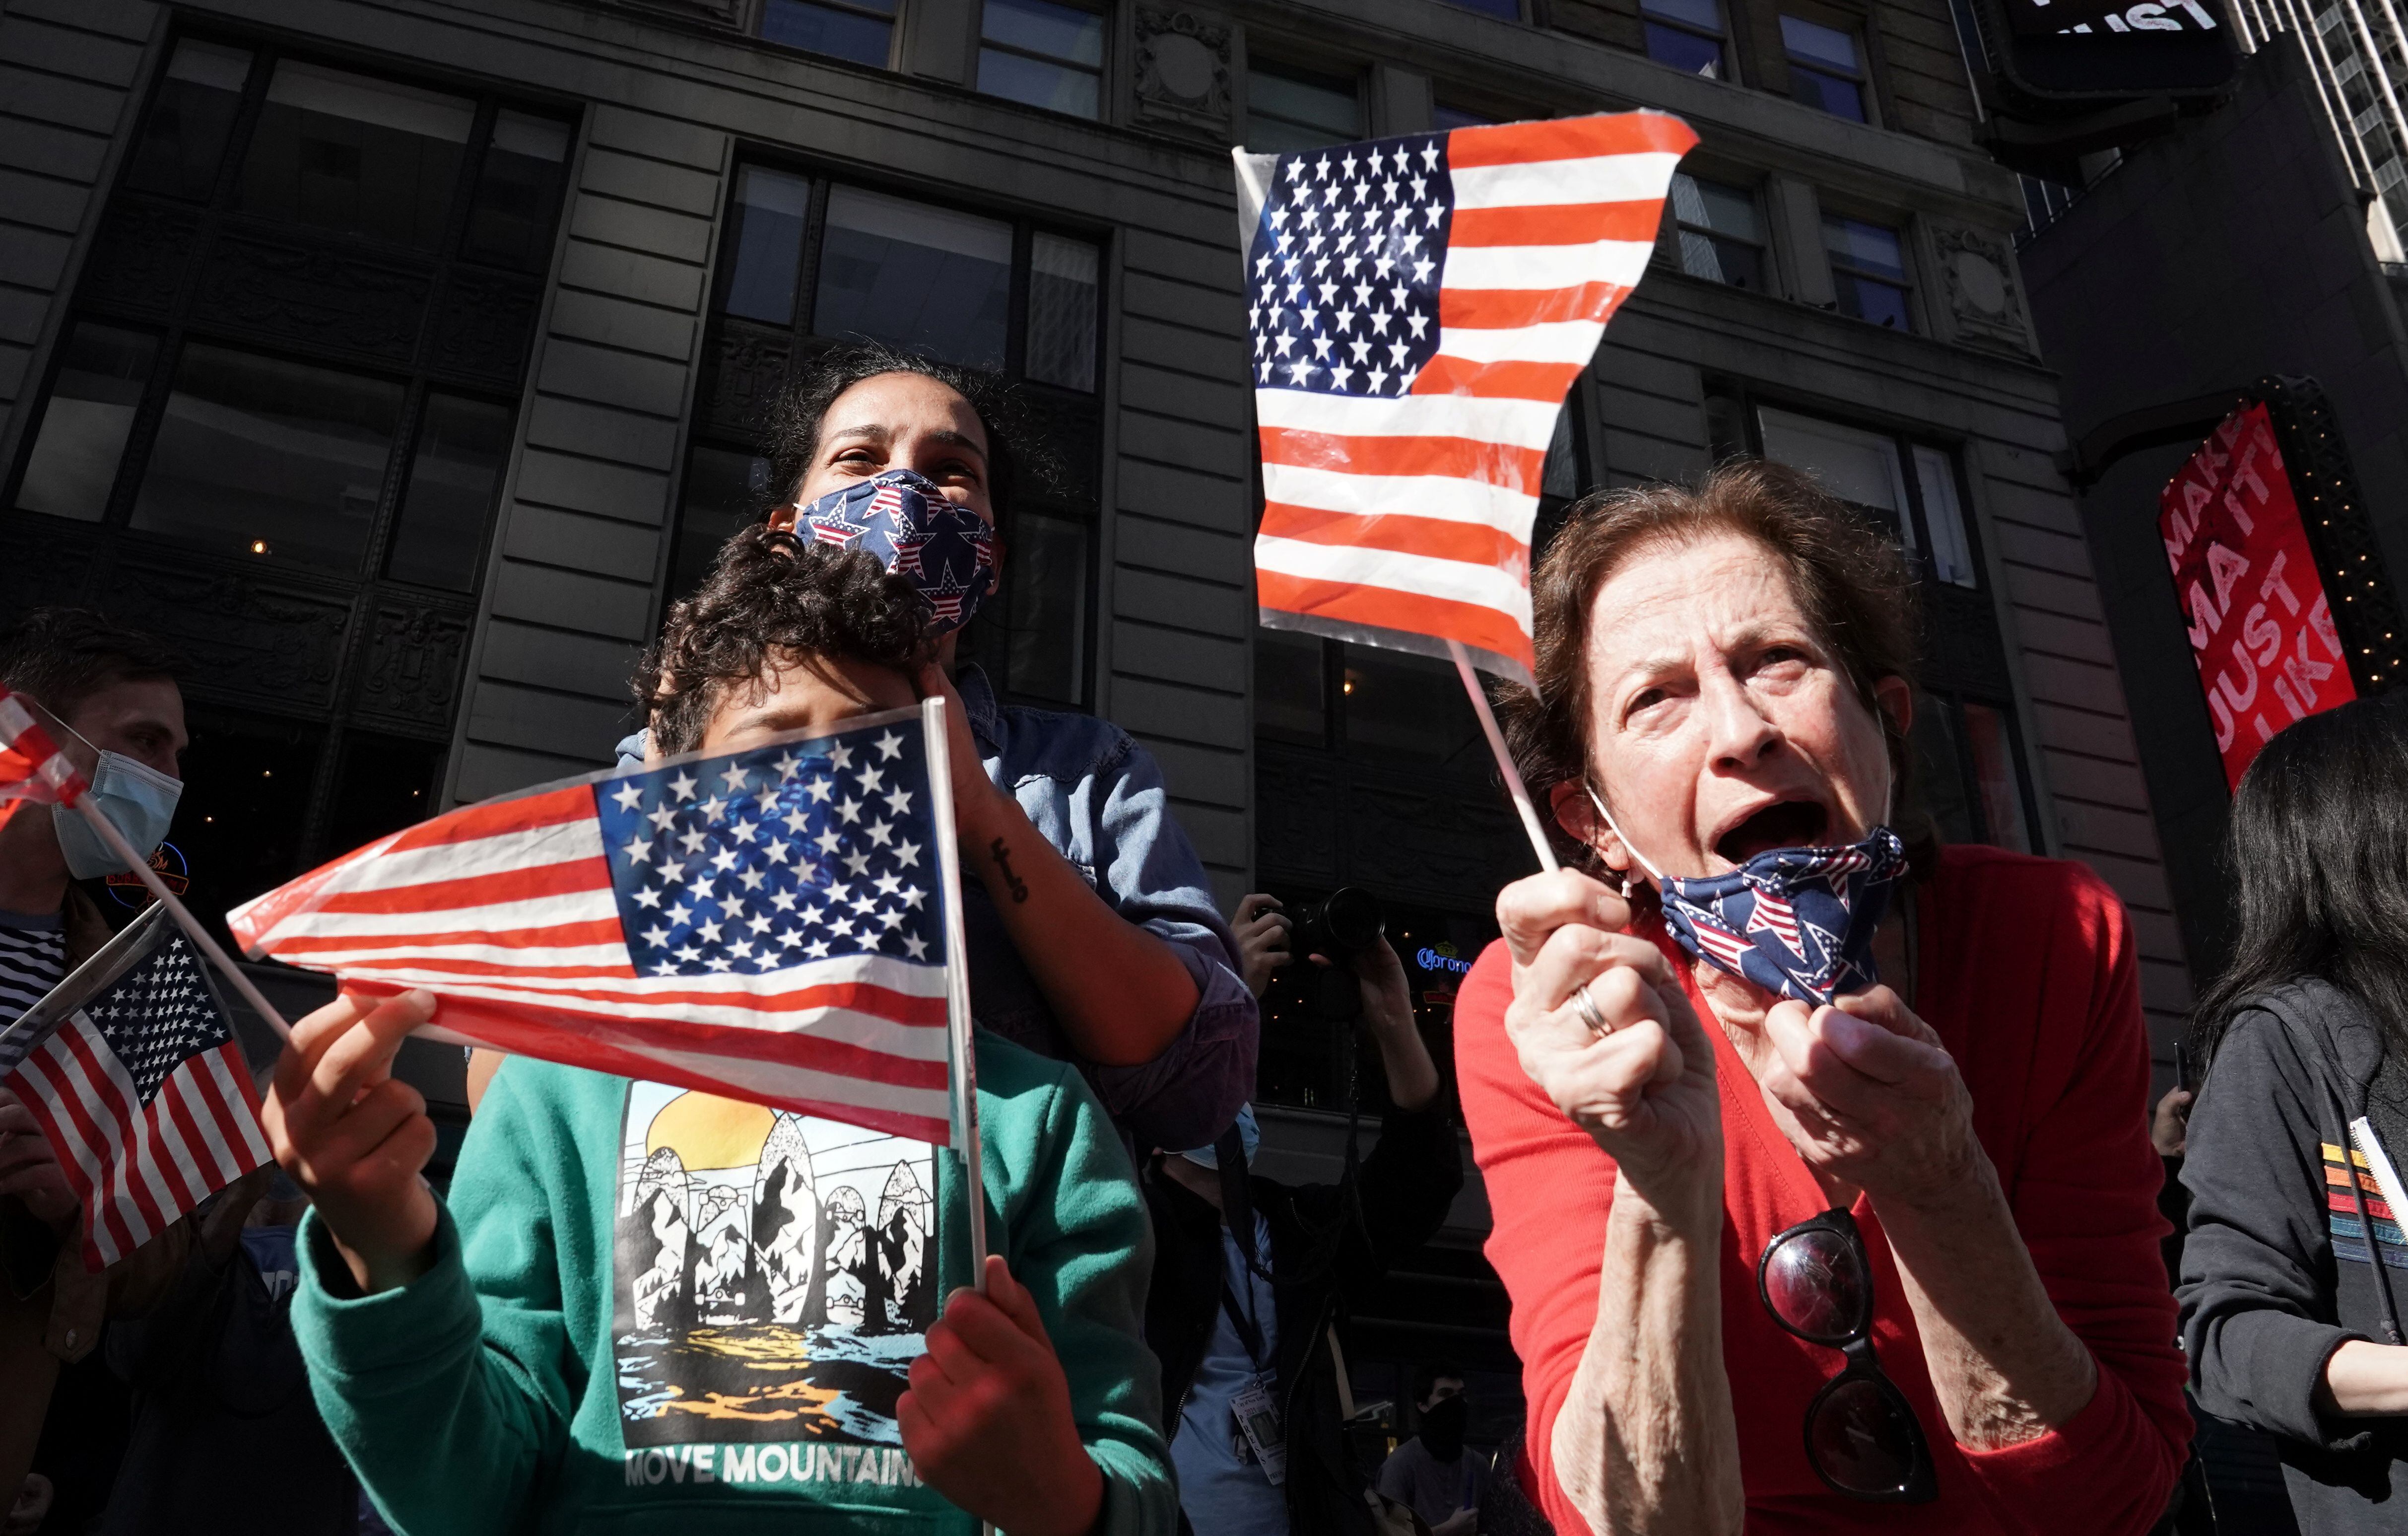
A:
<point x="1066" y="33"/>
<point x="1685" y="51"/>
<point x="261" y="456"/>
<point x="1062" y="312"/>
<point x="1447" y="118"/>
<point x="363" y="156"/>
<point x="518" y="192"/>
<point x="1939" y="741"/>
<point x="1865" y="247"/>
<point x="914" y="276"/>
<point x="189" y="119"/>
<point x="1712" y="206"/>
<point x="1291" y="693"/>
<point x="1561" y="476"/>
<point x="382" y="784"/>
<point x="1055" y="87"/>
<point x="1401" y="707"/>
<point x="725" y="492"/>
<point x="248" y="779"/>
<point x="770" y="209"/>
<point x="1045" y="582"/>
<point x="1703" y="15"/>
<point x="1868" y="298"/>
<point x="1722" y="261"/>
<point x="82" y="436"/>
<point x="1290" y="110"/>
<point x="842" y="34"/>
<point x="440" y="540"/>
<point x="1827" y="94"/>
<point x="1510" y="9"/>
<point x="1808" y="42"/>
<point x="1991" y="750"/>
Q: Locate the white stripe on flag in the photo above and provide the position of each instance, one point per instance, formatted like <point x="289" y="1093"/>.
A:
<point x="1439" y="497"/>
<point x="170" y="1152"/>
<point x="750" y="1078"/>
<point x="498" y="853"/>
<point x="831" y="1022"/>
<point x="213" y="1154"/>
<point x="1423" y="574"/>
<point x="1515" y="423"/>
<point x="1524" y="268"/>
<point x="398" y="952"/>
<point x="535" y="912"/>
<point x="1557" y="341"/>
<point x="1636" y="178"/>
<point x="254" y="1150"/>
<point x="57" y="1077"/>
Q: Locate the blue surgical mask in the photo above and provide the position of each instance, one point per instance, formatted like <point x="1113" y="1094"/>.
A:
<point x="947" y="553"/>
<point x="140" y="800"/>
<point x="1798" y="922"/>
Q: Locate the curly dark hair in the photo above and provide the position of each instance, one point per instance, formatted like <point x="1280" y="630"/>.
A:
<point x="1855" y="587"/>
<point x="1016" y="458"/>
<point x="61" y="657"/>
<point x="770" y="594"/>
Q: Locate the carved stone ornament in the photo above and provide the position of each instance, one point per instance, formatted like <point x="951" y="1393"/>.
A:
<point x="1182" y="66"/>
<point x="1985" y="301"/>
<point x="413" y="670"/>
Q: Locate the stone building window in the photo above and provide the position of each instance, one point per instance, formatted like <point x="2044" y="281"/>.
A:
<point x="1869" y="276"/>
<point x="275" y="428"/>
<point x="806" y="260"/>
<point x="1044" y="52"/>
<point x="862" y="31"/>
<point x="1718" y="232"/>
<point x="1689" y="34"/>
<point x="1509" y="9"/>
<point x="1290" y="109"/>
<point x="1827" y="68"/>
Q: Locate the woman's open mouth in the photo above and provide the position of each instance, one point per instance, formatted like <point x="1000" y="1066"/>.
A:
<point x="1785" y="824"/>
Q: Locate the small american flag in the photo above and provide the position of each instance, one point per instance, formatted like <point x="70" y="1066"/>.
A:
<point x="768" y="923"/>
<point x="142" y="1092"/>
<point x="33" y="771"/>
<point x="1419" y="307"/>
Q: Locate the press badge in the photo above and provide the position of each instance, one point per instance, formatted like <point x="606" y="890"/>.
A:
<point x="1258" y="1415"/>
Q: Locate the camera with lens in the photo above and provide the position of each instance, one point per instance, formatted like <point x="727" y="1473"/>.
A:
<point x="1339" y="928"/>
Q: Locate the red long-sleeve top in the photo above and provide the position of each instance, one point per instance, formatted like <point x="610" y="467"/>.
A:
<point x="2028" y="974"/>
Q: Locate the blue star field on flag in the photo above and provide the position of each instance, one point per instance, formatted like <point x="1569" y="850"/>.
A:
<point x="1342" y="277"/>
<point x="777" y="856"/>
<point x="158" y="1015"/>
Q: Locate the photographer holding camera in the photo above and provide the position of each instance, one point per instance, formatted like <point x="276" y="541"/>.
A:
<point x="1252" y="1277"/>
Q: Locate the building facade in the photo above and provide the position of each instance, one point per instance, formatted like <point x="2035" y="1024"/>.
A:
<point x="401" y="360"/>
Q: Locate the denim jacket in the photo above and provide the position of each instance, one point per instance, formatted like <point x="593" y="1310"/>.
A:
<point x="1097" y="796"/>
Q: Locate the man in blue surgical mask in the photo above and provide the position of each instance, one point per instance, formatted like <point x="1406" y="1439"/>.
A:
<point x="110" y="699"/>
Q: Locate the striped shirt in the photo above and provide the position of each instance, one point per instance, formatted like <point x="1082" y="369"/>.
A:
<point x="33" y="960"/>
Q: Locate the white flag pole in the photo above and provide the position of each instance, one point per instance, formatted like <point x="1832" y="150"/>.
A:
<point x="234" y="974"/>
<point x="1513" y="785"/>
<point x="957" y="979"/>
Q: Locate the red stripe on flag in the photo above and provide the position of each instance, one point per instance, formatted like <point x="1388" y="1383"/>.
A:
<point x="1565" y="223"/>
<point x="117" y="1144"/>
<point x="1547" y="382"/>
<point x="565" y="878"/>
<point x="530" y="1032"/>
<point x="527" y="814"/>
<point x="80" y="1133"/>
<point x="1475" y="543"/>
<point x="600" y="930"/>
<point x="1568" y="138"/>
<point x="237" y="1123"/>
<point x="453" y="966"/>
<point x="1455" y="458"/>
<point x="172" y="1118"/>
<point x="895" y="1007"/>
<point x="1417" y="613"/>
<point x="1511" y="308"/>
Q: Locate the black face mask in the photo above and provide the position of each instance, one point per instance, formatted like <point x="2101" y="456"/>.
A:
<point x="1442" y="1427"/>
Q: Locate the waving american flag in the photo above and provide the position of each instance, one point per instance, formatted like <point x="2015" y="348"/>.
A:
<point x="1419" y="306"/>
<point x="768" y="923"/>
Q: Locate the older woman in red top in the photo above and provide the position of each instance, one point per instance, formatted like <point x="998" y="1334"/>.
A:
<point x="1789" y="1251"/>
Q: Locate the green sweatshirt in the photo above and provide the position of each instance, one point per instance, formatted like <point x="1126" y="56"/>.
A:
<point x="655" y="1311"/>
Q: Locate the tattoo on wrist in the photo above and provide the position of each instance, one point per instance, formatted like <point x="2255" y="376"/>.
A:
<point x="1019" y="887"/>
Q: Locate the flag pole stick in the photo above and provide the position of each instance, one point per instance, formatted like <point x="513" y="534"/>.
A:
<point x="183" y="916"/>
<point x="957" y="979"/>
<point x="1513" y="785"/>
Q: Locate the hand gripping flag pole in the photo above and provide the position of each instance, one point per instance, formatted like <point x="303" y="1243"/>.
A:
<point x="24" y="735"/>
<point x="957" y="980"/>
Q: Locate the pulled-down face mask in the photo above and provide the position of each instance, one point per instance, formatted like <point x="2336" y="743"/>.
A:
<point x="947" y="553"/>
<point x="1798" y="922"/>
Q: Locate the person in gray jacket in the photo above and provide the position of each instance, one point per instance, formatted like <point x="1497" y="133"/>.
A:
<point x="2290" y="1323"/>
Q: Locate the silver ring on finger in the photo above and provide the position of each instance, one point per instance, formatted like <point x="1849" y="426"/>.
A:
<point x="1585" y="1006"/>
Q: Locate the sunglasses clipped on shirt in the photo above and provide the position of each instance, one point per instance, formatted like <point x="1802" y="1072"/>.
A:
<point x="1861" y="1435"/>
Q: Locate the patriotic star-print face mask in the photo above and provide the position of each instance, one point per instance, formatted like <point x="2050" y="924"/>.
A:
<point x="1798" y="922"/>
<point x="947" y="553"/>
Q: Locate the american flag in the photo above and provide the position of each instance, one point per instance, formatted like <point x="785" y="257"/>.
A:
<point x="33" y="771"/>
<point x="767" y="923"/>
<point x="142" y="1092"/>
<point x="1419" y="306"/>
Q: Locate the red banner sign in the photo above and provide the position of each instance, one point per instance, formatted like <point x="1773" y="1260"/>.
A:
<point x="2260" y="629"/>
